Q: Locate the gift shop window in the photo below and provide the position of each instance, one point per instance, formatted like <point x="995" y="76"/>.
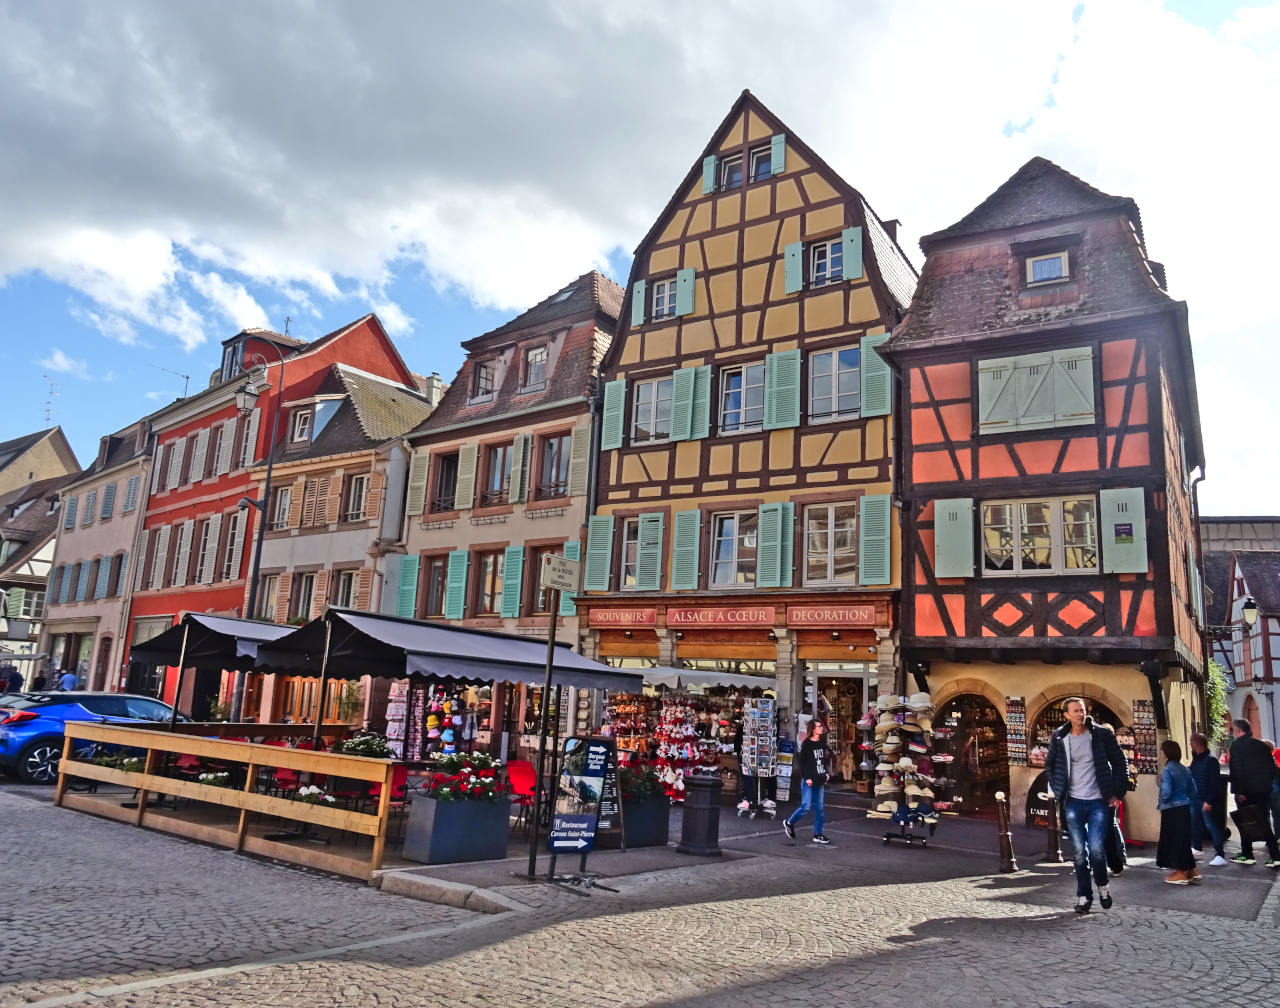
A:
<point x="1054" y="536"/>
<point x="628" y="571"/>
<point x="742" y="399"/>
<point x="446" y="490"/>
<point x="489" y="583"/>
<point x="553" y="471"/>
<point x="651" y="416"/>
<point x="733" y="548"/>
<point x="831" y="544"/>
<point x="497" y="468"/>
<point x="835" y="385"/>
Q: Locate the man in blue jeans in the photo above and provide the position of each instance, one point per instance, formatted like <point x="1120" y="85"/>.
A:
<point x="1089" y="776"/>
<point x="1208" y="811"/>
<point x="815" y="769"/>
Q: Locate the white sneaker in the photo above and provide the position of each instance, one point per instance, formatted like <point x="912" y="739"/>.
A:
<point x="767" y="803"/>
<point x="1195" y="854"/>
<point x="744" y="805"/>
<point x="1219" y="861"/>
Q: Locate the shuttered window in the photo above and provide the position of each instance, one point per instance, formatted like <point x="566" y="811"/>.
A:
<point x="651" y="411"/>
<point x="455" y="601"/>
<point x="691" y="403"/>
<point x="512" y="580"/>
<point x="734" y="540"/>
<point x="831" y="544"/>
<point x="782" y="390"/>
<point x="613" y="419"/>
<point x="774" y="554"/>
<point x="1056" y="535"/>
<point x="685" y="547"/>
<point x="953" y="537"/>
<point x="835" y="384"/>
<point x="490" y="568"/>
<point x="649" y="552"/>
<point x="415" y="501"/>
<point x="572" y="551"/>
<point x="877" y="381"/>
<point x="599" y="553"/>
<point x="875" y="540"/>
<point x="108" y="500"/>
<point x="407" y="594"/>
<point x="1036" y="391"/>
<point x="742" y="397"/>
<point x="131" y="493"/>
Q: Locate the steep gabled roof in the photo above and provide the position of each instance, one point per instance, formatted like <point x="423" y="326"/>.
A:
<point x="591" y="290"/>
<point x="14" y="447"/>
<point x="26" y="518"/>
<point x="1261" y="570"/>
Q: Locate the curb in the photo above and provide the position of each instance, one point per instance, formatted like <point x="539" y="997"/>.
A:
<point x="405" y="882"/>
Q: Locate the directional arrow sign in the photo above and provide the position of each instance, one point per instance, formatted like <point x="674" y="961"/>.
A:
<point x="578" y="790"/>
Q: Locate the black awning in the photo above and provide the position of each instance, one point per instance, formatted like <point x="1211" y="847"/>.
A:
<point x="212" y="642"/>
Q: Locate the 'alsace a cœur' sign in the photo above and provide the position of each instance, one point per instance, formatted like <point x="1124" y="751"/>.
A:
<point x="695" y="616"/>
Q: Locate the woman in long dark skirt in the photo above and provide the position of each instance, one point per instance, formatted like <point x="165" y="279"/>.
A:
<point x="1177" y="792"/>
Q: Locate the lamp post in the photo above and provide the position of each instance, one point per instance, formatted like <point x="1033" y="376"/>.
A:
<point x="246" y="400"/>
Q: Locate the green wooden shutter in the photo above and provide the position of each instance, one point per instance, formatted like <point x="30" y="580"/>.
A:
<point x="455" y="589"/>
<point x="953" y="537"/>
<point x="877" y="381"/>
<point x="778" y="154"/>
<point x="851" y="251"/>
<point x="416" y="500"/>
<point x="1073" y="388"/>
<point x="579" y="459"/>
<point x="1197" y="589"/>
<point x="685" y="546"/>
<point x="1033" y="385"/>
<point x="599" y="553"/>
<point x="519" y="466"/>
<point x="637" y="303"/>
<point x="466" y="480"/>
<point x="572" y="551"/>
<point x="774" y="545"/>
<point x="684" y="291"/>
<point x="782" y="390"/>
<point x="108" y="500"/>
<point x="709" y="164"/>
<point x="875" y="540"/>
<point x="788" y="544"/>
<point x="16" y="598"/>
<point x="793" y="263"/>
<point x="69" y="519"/>
<point x="614" y="418"/>
<point x="512" y="580"/>
<point x="997" y="395"/>
<point x="649" y="552"/>
<point x="407" y="597"/>
<point x="682" y="384"/>
<point x="1122" y="530"/>
<point x="700" y="423"/>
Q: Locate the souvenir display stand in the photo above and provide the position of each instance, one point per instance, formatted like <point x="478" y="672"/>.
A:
<point x="679" y="749"/>
<point x="759" y="759"/>
<point x="424" y="718"/>
<point x="907" y="781"/>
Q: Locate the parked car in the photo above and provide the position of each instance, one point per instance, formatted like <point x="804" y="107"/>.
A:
<point x="32" y="725"/>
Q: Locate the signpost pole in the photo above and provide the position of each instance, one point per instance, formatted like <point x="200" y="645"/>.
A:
<point x="543" y="712"/>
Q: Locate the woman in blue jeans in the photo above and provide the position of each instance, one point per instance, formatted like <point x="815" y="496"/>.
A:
<point x="815" y="769"/>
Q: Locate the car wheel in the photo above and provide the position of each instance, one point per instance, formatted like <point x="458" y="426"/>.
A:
<point x="38" y="762"/>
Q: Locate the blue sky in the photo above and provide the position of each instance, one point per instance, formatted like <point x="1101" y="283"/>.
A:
<point x="173" y="173"/>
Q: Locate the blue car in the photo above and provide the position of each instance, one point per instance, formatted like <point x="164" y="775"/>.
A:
<point x="32" y="724"/>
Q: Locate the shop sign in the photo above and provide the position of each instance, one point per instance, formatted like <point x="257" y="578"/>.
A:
<point x="1037" y="807"/>
<point x="831" y="615"/>
<point x="689" y="616"/>
<point x="623" y="617"/>
<point x="580" y="791"/>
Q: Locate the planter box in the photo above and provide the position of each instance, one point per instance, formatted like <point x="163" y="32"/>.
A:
<point x="446" y="832"/>
<point x="645" y="823"/>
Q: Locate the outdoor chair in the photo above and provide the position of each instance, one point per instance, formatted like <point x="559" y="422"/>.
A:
<point x="399" y="796"/>
<point x="523" y="779"/>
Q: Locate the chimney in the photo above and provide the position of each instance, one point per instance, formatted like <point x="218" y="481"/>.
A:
<point x="434" y="389"/>
<point x="891" y="227"/>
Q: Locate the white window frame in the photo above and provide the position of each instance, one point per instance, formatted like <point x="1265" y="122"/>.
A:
<point x="835" y="413"/>
<point x="231" y="523"/>
<point x="741" y="543"/>
<point x="202" y="552"/>
<point x="280" y="508"/>
<point x="649" y="393"/>
<point x="344" y="589"/>
<point x="357" y="488"/>
<point x="631" y="567"/>
<point x="1057" y="536"/>
<point x="830" y="579"/>
<point x="483" y="368"/>
<point x="1063" y="257"/>
<point x="825" y="251"/>
<point x="33" y="605"/>
<point x="301" y="426"/>
<point x="722" y="172"/>
<point x="742" y="371"/>
<point x="764" y="152"/>
<point x="270" y="595"/>
<point x="529" y="363"/>
<point x="664" y="298"/>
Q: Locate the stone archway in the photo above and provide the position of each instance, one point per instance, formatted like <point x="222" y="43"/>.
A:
<point x="955" y="687"/>
<point x="1089" y="691"/>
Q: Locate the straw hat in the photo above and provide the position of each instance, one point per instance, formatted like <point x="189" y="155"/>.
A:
<point x="920" y="702"/>
<point x="906" y="763"/>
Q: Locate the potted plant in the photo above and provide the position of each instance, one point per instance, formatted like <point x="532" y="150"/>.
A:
<point x="366" y="744"/>
<point x="646" y="810"/>
<point x="461" y="811"/>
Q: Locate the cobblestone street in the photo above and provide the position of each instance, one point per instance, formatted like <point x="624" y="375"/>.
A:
<point x="108" y="915"/>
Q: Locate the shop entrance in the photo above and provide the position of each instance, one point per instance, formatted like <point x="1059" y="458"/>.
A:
<point x="970" y="731"/>
<point x="1054" y="716"/>
<point x="840" y="692"/>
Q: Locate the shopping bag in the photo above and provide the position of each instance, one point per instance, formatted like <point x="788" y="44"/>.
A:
<point x="1250" y="821"/>
<point x="1114" y="844"/>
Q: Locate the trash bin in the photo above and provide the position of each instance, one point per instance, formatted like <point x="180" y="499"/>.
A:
<point x="700" y="827"/>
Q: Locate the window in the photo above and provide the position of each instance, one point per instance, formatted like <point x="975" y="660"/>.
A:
<point x="1047" y="268"/>
<point x="446" y="484"/>
<point x="268" y="597"/>
<point x="246" y="443"/>
<point x="497" y="475"/>
<point x="231" y="361"/>
<point x="1058" y="535"/>
<point x="651" y="420"/>
<point x="664" y="298"/>
<point x="489" y="584"/>
<point x="826" y="262"/>
<point x="835" y="389"/>
<point x="1036" y="391"/>
<point x="761" y="163"/>
<point x="231" y="558"/>
<point x="831" y="544"/>
<point x="733" y="548"/>
<point x="188" y="473"/>
<point x="216" y="435"/>
<point x="301" y="425"/>
<point x="540" y="598"/>
<point x="742" y="398"/>
<point x="630" y="549"/>
<point x="482" y="384"/>
<point x="304" y="588"/>
<point x="33" y="605"/>
<point x="280" y="510"/>
<point x="115" y="585"/>
<point x="357" y="492"/>
<point x="731" y="172"/>
<point x="553" y="471"/>
<point x="435" y="579"/>
<point x="204" y="547"/>
<point x="344" y="589"/>
<point x="535" y="368"/>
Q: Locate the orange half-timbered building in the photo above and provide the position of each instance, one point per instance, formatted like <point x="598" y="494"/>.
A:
<point x="744" y="517"/>
<point x="1050" y="429"/>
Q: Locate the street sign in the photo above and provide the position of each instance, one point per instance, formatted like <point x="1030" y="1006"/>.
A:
<point x="559" y="573"/>
<point x="579" y="791"/>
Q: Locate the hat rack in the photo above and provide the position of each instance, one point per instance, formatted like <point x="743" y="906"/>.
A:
<point x="906" y="776"/>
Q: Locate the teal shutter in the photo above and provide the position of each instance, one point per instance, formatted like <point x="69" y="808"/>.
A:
<point x="709" y="164"/>
<point x="124" y="571"/>
<point x="874" y="539"/>
<point x="700" y="424"/>
<point x="104" y="578"/>
<point x="877" y="382"/>
<point x="778" y="154"/>
<point x="455" y="589"/>
<point x="782" y="390"/>
<point x="1122" y="529"/>
<point x="1033" y="386"/>
<point x="512" y="580"/>
<point x="637" y="303"/>
<point x="1073" y="389"/>
<point x="407" y="597"/>
<point x="649" y="552"/>
<point x="684" y="291"/>
<point x="685" y="544"/>
<point x="613" y="421"/>
<point x="788" y="540"/>
<point x="774" y="547"/>
<point x="572" y="551"/>
<point x="953" y="537"/>
<point x="851" y="250"/>
<point x="16" y="598"/>
<point x="997" y="395"/>
<point x="64" y="587"/>
<point x="599" y="553"/>
<point x="682" y="387"/>
<point x="108" y="500"/>
<point x="82" y="583"/>
<point x="793" y="262"/>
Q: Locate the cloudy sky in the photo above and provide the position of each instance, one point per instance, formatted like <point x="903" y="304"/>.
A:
<point x="173" y="172"/>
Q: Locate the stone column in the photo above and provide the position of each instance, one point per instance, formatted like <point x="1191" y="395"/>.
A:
<point x="667" y="648"/>
<point x="786" y="672"/>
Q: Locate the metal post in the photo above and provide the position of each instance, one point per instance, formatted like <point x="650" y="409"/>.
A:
<point x="324" y="680"/>
<point x="1054" y="853"/>
<point x="1007" y="862"/>
<point x="544" y="710"/>
<point x="182" y="661"/>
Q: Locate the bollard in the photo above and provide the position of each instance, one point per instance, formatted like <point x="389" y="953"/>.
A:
<point x="700" y="824"/>
<point x="1054" y="853"/>
<point x="1007" y="862"/>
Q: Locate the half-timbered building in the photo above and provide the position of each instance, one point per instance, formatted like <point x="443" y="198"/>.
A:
<point x="744" y="515"/>
<point x="1050" y="431"/>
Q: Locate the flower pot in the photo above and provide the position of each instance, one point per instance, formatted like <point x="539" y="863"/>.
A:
<point x="444" y="832"/>
<point x="646" y="822"/>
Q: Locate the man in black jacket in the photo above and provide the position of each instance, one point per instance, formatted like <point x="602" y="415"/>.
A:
<point x="1207" y="811"/>
<point x="1252" y="771"/>
<point x="1089" y="775"/>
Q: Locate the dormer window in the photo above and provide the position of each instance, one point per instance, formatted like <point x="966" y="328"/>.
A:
<point x="301" y="425"/>
<point x="731" y="172"/>
<point x="231" y="362"/>
<point x="483" y="383"/>
<point x="535" y="368"/>
<point x="761" y="163"/>
<point x="1048" y="268"/>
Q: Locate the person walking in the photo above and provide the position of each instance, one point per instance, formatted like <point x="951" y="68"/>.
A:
<point x="815" y="770"/>
<point x="1208" y="810"/>
<point x="1252" y="772"/>
<point x="13" y="679"/>
<point x="1177" y="792"/>
<point x="68" y="681"/>
<point x="1088" y="775"/>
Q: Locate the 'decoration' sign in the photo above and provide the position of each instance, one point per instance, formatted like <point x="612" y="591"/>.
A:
<point x="623" y="617"/>
<point x="831" y="615"/>
<point x="691" y="616"/>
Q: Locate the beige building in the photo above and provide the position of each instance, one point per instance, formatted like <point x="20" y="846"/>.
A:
<point x="33" y="457"/>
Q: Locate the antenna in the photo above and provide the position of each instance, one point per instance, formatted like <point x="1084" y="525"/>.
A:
<point x="48" y="403"/>
<point x="287" y="320"/>
<point x="186" y="378"/>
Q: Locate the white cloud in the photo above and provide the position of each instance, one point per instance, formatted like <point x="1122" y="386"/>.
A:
<point x="153" y="396"/>
<point x="60" y="362"/>
<point x="232" y="300"/>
